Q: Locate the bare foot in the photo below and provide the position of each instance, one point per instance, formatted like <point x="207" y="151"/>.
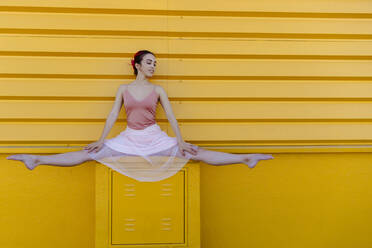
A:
<point x="252" y="159"/>
<point x="28" y="160"/>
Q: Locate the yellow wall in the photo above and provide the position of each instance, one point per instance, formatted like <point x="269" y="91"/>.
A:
<point x="299" y="200"/>
<point x="292" y="79"/>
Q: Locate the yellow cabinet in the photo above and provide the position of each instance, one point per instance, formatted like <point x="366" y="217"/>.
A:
<point x="148" y="213"/>
<point x="130" y="213"/>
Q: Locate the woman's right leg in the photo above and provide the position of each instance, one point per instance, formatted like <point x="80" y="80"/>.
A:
<point x="62" y="159"/>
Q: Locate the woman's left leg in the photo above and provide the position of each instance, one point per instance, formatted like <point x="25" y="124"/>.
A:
<point x="223" y="158"/>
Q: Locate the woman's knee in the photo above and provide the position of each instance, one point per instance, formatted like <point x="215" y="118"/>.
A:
<point x="85" y="155"/>
<point x="198" y="157"/>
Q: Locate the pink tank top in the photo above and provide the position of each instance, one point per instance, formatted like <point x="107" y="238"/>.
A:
<point x="140" y="114"/>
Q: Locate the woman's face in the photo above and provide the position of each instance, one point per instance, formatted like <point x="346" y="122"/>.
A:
<point x="148" y="65"/>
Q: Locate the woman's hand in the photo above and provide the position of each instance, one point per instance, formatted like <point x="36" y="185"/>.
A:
<point x="184" y="146"/>
<point x="95" y="146"/>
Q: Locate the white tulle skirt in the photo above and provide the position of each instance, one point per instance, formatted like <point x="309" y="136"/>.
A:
<point x="146" y="155"/>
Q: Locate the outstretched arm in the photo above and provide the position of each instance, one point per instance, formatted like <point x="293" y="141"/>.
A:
<point x="164" y="101"/>
<point x="112" y="117"/>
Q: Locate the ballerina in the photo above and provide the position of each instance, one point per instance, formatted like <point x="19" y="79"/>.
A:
<point x="142" y="151"/>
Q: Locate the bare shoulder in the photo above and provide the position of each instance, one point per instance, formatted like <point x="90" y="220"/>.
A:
<point x="160" y="90"/>
<point x="122" y="87"/>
